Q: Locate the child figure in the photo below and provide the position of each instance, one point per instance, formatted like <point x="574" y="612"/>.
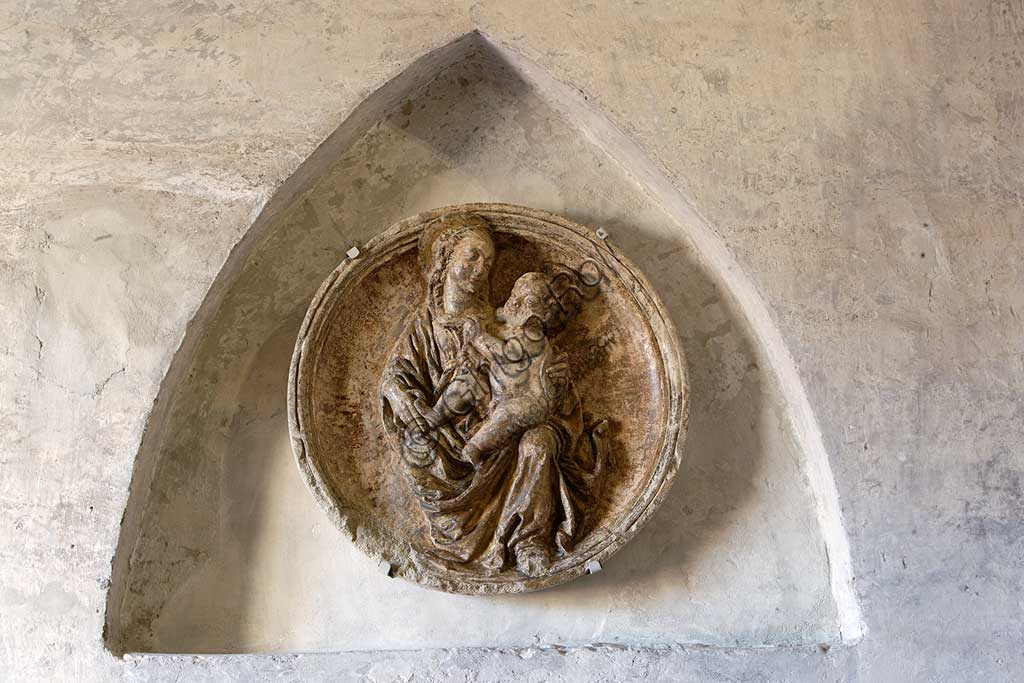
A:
<point x="521" y="397"/>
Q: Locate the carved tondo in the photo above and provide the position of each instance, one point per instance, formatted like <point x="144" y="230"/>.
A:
<point x="530" y="400"/>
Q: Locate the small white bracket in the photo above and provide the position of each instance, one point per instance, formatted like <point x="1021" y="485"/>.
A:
<point x="384" y="567"/>
<point x="593" y="567"/>
<point x="602" y="233"/>
<point x="353" y="252"/>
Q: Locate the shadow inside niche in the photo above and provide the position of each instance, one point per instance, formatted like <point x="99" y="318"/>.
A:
<point x="234" y="554"/>
<point x="725" y="442"/>
<point x="264" y="507"/>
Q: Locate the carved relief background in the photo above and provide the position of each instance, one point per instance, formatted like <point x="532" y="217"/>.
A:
<point x="487" y="398"/>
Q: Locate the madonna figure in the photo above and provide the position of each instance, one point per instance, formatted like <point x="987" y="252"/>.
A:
<point x="483" y="411"/>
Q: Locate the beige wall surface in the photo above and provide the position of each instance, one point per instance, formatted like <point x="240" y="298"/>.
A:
<point x="861" y="162"/>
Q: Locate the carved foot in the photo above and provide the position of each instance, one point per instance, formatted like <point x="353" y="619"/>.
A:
<point x="532" y="561"/>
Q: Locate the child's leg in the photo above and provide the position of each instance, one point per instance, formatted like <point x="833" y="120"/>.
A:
<point x="507" y="421"/>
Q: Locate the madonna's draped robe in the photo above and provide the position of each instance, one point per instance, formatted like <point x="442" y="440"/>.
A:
<point x="519" y="498"/>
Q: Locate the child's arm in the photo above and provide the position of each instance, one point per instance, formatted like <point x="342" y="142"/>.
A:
<point x="487" y="344"/>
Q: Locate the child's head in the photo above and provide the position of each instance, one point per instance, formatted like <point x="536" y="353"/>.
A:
<point x="527" y="300"/>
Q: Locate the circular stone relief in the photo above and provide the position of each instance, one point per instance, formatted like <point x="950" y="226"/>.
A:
<point x="488" y="399"/>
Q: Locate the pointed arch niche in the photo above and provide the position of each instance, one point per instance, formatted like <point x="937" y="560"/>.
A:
<point x="222" y="549"/>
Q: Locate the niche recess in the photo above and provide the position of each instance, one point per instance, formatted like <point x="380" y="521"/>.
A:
<point x="223" y="549"/>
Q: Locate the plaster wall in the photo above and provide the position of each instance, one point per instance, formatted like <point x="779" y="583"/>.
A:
<point x="861" y="161"/>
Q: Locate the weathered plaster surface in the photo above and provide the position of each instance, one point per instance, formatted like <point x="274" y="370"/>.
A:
<point x="862" y="161"/>
<point x="215" y="565"/>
